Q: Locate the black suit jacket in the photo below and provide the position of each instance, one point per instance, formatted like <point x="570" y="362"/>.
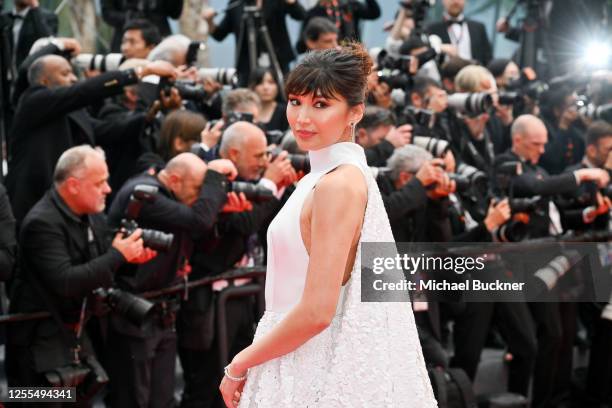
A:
<point x="55" y="252"/>
<point x="49" y="121"/>
<point x="116" y="13"/>
<point x="481" y="47"/>
<point x="8" y="243"/>
<point x="38" y="23"/>
<point x="274" y="13"/>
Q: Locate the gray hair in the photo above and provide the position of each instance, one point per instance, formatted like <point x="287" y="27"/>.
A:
<point x="165" y="50"/>
<point x="72" y="161"/>
<point x="239" y="97"/>
<point x="37" y="70"/>
<point x="407" y="158"/>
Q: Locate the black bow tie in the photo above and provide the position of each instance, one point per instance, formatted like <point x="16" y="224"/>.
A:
<point x="16" y="16"/>
<point x="451" y="22"/>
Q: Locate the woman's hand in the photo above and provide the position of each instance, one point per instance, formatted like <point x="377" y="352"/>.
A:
<point x="231" y="390"/>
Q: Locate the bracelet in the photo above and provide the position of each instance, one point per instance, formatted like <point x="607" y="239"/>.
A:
<point x="230" y="377"/>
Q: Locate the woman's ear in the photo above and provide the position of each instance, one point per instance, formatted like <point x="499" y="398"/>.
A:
<point x="356" y="113"/>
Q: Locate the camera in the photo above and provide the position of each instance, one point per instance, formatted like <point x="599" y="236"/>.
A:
<point x="419" y="9"/>
<point x="188" y="90"/>
<point x="88" y="376"/>
<point x="416" y="116"/>
<point x="133" y="308"/>
<point x="153" y="239"/>
<point x="300" y="162"/>
<point x="98" y="62"/>
<point x="509" y="98"/>
<point x="469" y="178"/>
<point x="252" y="192"/>
<point x="156" y="240"/>
<point x="593" y="112"/>
<point x="437" y="147"/>
<point x="471" y="104"/>
<point x="225" y="76"/>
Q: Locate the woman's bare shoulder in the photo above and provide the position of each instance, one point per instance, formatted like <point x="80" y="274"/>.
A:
<point x="345" y="182"/>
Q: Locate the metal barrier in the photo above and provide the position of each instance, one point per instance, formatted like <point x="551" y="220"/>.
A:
<point x="257" y="273"/>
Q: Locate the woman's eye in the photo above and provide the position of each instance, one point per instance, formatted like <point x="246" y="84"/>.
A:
<point x="320" y="105"/>
<point x="294" y="102"/>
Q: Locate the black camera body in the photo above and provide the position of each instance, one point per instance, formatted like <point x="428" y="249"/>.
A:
<point x="300" y="162"/>
<point x="153" y="239"/>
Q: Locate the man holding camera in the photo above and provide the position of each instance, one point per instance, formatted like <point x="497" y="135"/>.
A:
<point x="234" y="242"/>
<point x="529" y="137"/>
<point x="184" y="200"/>
<point x="51" y="117"/>
<point x="64" y="256"/>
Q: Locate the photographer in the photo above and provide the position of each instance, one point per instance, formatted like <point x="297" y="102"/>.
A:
<point x="320" y="34"/>
<point x="274" y="13"/>
<point x="64" y="256"/>
<point x="468" y="36"/>
<point x="117" y="13"/>
<point x="379" y="137"/>
<point x="29" y="22"/>
<point x="588" y="208"/>
<point x="185" y="199"/>
<point x="139" y="38"/>
<point x="234" y="242"/>
<point x="8" y="242"/>
<point x="565" y="145"/>
<point x="485" y="128"/>
<point x="554" y="329"/>
<point x="51" y="117"/>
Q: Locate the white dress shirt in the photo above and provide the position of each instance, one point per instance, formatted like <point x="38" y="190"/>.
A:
<point x="460" y="36"/>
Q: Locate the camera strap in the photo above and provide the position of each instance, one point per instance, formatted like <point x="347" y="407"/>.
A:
<point x="71" y="339"/>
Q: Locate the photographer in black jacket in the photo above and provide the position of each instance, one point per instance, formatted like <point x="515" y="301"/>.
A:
<point x="188" y="196"/>
<point x="51" y="117"/>
<point x="64" y="256"/>
<point x="8" y="243"/>
<point x="529" y="137"/>
<point x="233" y="241"/>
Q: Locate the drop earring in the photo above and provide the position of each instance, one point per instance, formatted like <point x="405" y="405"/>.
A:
<point x="352" y="132"/>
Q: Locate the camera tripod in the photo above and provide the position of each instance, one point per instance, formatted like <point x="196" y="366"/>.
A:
<point x="534" y="22"/>
<point x="251" y="26"/>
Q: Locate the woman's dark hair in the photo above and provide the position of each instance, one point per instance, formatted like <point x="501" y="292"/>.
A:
<point x="333" y="73"/>
<point x="257" y="76"/>
<point x="180" y="124"/>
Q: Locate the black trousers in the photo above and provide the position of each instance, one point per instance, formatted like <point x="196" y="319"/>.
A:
<point x="202" y="369"/>
<point x="514" y="324"/>
<point x="599" y="378"/>
<point x="550" y="333"/>
<point x="142" y="370"/>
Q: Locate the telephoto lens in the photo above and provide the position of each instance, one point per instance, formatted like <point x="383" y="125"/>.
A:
<point x="225" y="76"/>
<point x="437" y="147"/>
<point x="98" y="62"/>
<point x="471" y="104"/>
<point x="253" y="192"/>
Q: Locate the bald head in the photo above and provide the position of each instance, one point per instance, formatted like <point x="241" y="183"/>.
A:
<point x="184" y="175"/>
<point x="245" y="145"/>
<point x="237" y="134"/>
<point x="51" y="71"/>
<point x="529" y="137"/>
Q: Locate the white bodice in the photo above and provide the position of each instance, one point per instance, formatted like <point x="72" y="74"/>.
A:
<point x="287" y="257"/>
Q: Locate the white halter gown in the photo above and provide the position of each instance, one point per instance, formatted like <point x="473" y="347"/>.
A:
<point x="370" y="355"/>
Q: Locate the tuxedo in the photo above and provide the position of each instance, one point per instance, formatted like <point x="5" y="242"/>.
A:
<point x="36" y="23"/>
<point x="476" y="32"/>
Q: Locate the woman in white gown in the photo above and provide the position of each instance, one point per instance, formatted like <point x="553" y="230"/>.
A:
<point x="317" y="344"/>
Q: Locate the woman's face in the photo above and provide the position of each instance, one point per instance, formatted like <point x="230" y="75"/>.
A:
<point x="267" y="88"/>
<point x="318" y="122"/>
<point x="511" y="73"/>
